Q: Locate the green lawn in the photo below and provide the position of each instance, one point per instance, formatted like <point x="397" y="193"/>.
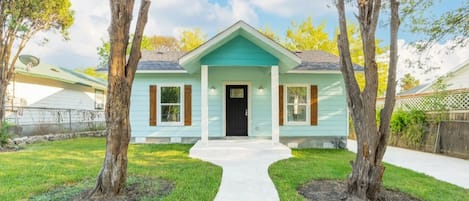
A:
<point x="45" y="166"/>
<point x="309" y="164"/>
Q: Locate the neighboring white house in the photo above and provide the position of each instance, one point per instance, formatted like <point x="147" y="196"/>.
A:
<point x="48" y="94"/>
<point x="456" y="92"/>
<point x="457" y="78"/>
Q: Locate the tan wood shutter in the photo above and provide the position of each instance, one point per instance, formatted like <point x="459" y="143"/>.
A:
<point x="187" y="105"/>
<point x="280" y="105"/>
<point x="314" y="105"/>
<point x="153" y="105"/>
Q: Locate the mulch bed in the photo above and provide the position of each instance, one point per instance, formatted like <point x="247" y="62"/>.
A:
<point x="326" y="190"/>
<point x="143" y="189"/>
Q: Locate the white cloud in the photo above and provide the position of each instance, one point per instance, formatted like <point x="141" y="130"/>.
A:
<point x="292" y="8"/>
<point x="91" y="21"/>
<point x="431" y="63"/>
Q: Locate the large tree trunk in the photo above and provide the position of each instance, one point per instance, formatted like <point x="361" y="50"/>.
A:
<point x="365" y="181"/>
<point x="112" y="177"/>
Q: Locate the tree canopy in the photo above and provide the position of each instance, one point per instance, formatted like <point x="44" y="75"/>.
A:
<point x="408" y="82"/>
<point x="308" y="36"/>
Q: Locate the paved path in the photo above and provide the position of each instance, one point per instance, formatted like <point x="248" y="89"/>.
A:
<point x="451" y="170"/>
<point x="245" y="167"/>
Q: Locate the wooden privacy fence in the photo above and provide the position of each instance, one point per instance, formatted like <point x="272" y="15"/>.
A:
<point x="448" y="114"/>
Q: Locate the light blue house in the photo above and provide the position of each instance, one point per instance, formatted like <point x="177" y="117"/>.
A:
<point x="240" y="83"/>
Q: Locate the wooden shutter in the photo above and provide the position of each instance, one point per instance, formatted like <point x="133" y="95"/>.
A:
<point x="314" y="105"/>
<point x="280" y="105"/>
<point x="153" y="105"/>
<point x="187" y="105"/>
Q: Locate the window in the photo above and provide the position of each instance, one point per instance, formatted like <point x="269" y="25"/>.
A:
<point x="98" y="99"/>
<point x="170" y="105"/>
<point x="297" y="105"/>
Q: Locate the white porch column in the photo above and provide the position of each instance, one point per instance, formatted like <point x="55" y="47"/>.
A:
<point x="274" y="97"/>
<point x="204" y="103"/>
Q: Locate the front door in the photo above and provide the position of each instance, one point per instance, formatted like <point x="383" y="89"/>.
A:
<point x="236" y="110"/>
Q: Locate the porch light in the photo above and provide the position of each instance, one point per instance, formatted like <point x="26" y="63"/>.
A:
<point x="261" y="88"/>
<point x="212" y="88"/>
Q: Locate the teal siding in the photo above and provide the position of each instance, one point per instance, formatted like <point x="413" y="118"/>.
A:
<point x="332" y="108"/>
<point x="239" y="52"/>
<point x="332" y="103"/>
<point x="139" y="107"/>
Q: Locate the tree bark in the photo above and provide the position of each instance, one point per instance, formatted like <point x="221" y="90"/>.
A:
<point x="112" y="177"/>
<point x="365" y="181"/>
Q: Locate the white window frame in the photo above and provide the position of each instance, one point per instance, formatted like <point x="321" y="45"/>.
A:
<point x="308" y="105"/>
<point x="159" y="104"/>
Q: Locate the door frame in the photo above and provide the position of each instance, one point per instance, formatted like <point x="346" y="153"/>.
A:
<point x="248" y="84"/>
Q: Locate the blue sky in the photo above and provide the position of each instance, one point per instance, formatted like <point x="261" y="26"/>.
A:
<point x="169" y="17"/>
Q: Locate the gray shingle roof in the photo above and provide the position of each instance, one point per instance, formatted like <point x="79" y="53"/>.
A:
<point x="317" y="60"/>
<point x="312" y="60"/>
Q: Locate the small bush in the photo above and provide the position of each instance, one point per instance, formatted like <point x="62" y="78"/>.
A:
<point x="408" y="125"/>
<point x="4" y="134"/>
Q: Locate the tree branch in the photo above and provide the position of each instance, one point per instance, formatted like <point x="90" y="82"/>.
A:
<point x="135" y="51"/>
<point x="386" y="112"/>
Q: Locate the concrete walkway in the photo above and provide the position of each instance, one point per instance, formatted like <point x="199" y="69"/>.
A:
<point x="451" y="170"/>
<point x="245" y="167"/>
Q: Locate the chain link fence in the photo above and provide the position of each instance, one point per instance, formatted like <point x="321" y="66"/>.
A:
<point x="27" y="121"/>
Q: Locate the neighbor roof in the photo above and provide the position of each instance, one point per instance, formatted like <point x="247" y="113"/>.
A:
<point x="311" y="60"/>
<point x="48" y="71"/>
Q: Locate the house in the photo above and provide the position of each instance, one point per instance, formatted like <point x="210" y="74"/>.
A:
<point x="453" y="86"/>
<point x="455" y="79"/>
<point x="47" y="96"/>
<point x="240" y="84"/>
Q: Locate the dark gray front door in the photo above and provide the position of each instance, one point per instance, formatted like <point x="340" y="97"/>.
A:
<point x="236" y="110"/>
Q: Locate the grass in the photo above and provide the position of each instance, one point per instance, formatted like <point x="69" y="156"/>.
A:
<point x="315" y="164"/>
<point x="48" y="166"/>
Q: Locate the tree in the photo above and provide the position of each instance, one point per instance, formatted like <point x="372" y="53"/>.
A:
<point x="164" y="43"/>
<point x="20" y="20"/>
<point x="408" y="82"/>
<point x="305" y="36"/>
<point x="191" y="39"/>
<point x="105" y="49"/>
<point x="270" y="34"/>
<point x="451" y="25"/>
<point x="112" y="176"/>
<point x="365" y="180"/>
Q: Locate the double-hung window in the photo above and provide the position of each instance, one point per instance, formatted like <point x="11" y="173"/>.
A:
<point x="297" y="105"/>
<point x="170" y="106"/>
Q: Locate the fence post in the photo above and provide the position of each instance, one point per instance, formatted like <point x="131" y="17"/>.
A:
<point x="70" y="119"/>
<point x="437" y="140"/>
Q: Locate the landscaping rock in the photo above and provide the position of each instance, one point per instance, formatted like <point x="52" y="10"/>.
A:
<point x="54" y="137"/>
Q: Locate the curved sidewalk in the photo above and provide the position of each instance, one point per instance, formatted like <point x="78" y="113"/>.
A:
<point x="449" y="169"/>
<point x="245" y="167"/>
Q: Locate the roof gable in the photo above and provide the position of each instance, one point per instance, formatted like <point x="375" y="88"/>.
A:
<point x="239" y="52"/>
<point x="286" y="59"/>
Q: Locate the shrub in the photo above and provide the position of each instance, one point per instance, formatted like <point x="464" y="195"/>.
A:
<point x="409" y="125"/>
<point x="4" y="135"/>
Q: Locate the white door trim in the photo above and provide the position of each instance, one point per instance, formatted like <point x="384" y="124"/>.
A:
<point x="248" y="83"/>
